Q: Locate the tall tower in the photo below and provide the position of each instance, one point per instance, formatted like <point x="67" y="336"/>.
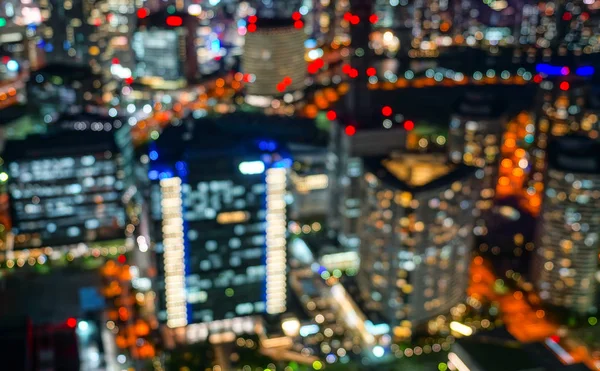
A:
<point x="565" y="268"/>
<point x="358" y="98"/>
<point x="415" y="237"/>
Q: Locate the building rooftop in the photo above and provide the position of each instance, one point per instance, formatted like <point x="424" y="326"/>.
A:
<point x="59" y="144"/>
<point x="416" y="172"/>
<point x="497" y="350"/>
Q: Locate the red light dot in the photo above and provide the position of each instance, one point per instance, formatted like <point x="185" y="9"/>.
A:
<point x="564" y="85"/>
<point x="142" y="13"/>
<point x="251" y="27"/>
<point x="174" y="21"/>
<point x="280" y="88"/>
<point x="537" y="79"/>
<point x="347" y="16"/>
<point x="97" y="22"/>
<point x="373" y="18"/>
<point x="71" y="322"/>
<point x="386" y="111"/>
<point x="298" y="24"/>
<point x="555" y="338"/>
<point x="319" y="63"/>
<point x="371" y="71"/>
<point x="353" y="73"/>
<point x="331" y="115"/>
<point x="287" y="80"/>
<point x="355" y="20"/>
<point x="567" y="16"/>
<point x="116" y="61"/>
<point x="346" y="69"/>
<point x="584" y="16"/>
<point x="350" y="130"/>
<point x="409" y="125"/>
<point x="252" y="19"/>
<point x="129" y="80"/>
<point x="296" y="16"/>
<point x="122" y="259"/>
<point x="5" y="59"/>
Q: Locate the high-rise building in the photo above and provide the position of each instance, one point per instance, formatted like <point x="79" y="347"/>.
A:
<point x="566" y="262"/>
<point x="219" y="207"/>
<point x="564" y="106"/>
<point x="415" y="236"/>
<point x="165" y="51"/>
<point x="274" y="57"/>
<point x="76" y="32"/>
<point x="474" y="139"/>
<point x="65" y="194"/>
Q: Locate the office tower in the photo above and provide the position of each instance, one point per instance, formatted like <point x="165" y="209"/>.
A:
<point x="415" y="234"/>
<point x="76" y="32"/>
<point x="566" y="263"/>
<point x="564" y="105"/>
<point x="474" y="139"/>
<point x="164" y="46"/>
<point x="219" y="208"/>
<point x="65" y="195"/>
<point x="350" y="145"/>
<point x="358" y="102"/>
<point x="58" y="89"/>
<point x="274" y="58"/>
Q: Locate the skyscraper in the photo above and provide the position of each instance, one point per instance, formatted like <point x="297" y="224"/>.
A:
<point x="65" y="194"/>
<point x="565" y="268"/>
<point x="274" y="57"/>
<point x="219" y="206"/>
<point x="415" y="236"/>
<point x="474" y="138"/>
<point x="76" y="32"/>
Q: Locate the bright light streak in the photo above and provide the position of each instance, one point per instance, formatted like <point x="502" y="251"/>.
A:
<point x="252" y="167"/>
<point x="457" y="362"/>
<point x="276" y="242"/>
<point x="173" y="240"/>
<point x="559" y="351"/>
<point x="461" y="329"/>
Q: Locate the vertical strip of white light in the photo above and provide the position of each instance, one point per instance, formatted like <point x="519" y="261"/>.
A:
<point x="276" y="242"/>
<point x="172" y="230"/>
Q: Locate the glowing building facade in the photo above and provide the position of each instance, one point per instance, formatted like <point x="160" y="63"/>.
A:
<point x="164" y="46"/>
<point x="474" y="139"/>
<point x="566" y="261"/>
<point x="564" y="106"/>
<point x="415" y="237"/>
<point x="65" y="191"/>
<point x="274" y="58"/>
<point x="220" y="211"/>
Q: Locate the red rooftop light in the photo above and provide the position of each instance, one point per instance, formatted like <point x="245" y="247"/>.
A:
<point x="371" y="71"/>
<point x="409" y="125"/>
<point x="298" y="24"/>
<point x="350" y="130"/>
<point x="71" y="322"/>
<point x="251" y="27"/>
<point x="174" y="21"/>
<point x="142" y="13"/>
<point x="331" y="115"/>
<point x="355" y="20"/>
<point x="386" y="111"/>
<point x="373" y="18"/>
<point x="564" y="86"/>
<point x="296" y="16"/>
<point x="252" y="19"/>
